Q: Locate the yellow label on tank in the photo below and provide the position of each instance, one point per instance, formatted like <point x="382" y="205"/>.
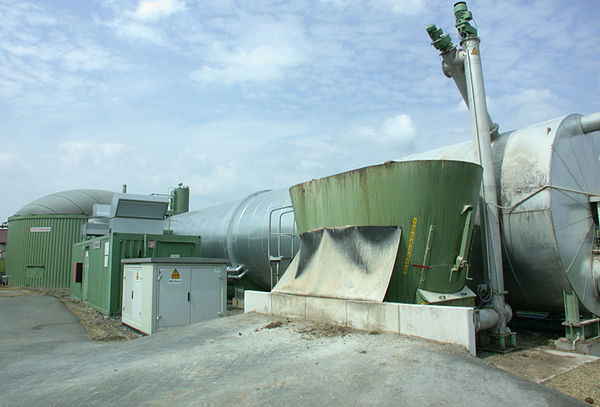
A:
<point x="410" y="245"/>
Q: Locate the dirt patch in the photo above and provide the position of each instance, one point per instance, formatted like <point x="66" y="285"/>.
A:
<point x="274" y="324"/>
<point x="100" y="327"/>
<point x="9" y="291"/>
<point x="322" y="331"/>
<point x="16" y="292"/>
<point x="540" y="364"/>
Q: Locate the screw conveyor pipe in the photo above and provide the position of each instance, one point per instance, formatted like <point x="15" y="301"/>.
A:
<point x="471" y="87"/>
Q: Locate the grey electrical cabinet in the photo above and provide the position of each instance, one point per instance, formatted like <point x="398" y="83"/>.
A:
<point x="162" y="292"/>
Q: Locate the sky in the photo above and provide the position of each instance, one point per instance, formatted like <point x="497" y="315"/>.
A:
<point x="233" y="97"/>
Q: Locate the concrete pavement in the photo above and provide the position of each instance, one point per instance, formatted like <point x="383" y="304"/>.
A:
<point x="254" y="359"/>
<point x="35" y="325"/>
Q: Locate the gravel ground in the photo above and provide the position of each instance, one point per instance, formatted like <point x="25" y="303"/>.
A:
<point x="537" y="360"/>
<point x="100" y="327"/>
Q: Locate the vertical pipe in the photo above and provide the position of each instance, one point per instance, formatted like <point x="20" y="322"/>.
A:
<point x="483" y="150"/>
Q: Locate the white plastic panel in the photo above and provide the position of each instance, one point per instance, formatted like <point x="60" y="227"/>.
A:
<point x="132" y="296"/>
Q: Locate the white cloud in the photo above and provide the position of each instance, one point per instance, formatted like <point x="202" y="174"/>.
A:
<point x="221" y="177"/>
<point x="142" y="24"/>
<point x="408" y="7"/>
<point x="321" y="88"/>
<point x="260" y="50"/>
<point x="138" y="31"/>
<point x="528" y="106"/>
<point x="264" y="63"/>
<point x="396" y="133"/>
<point x="461" y="107"/>
<point x="152" y="10"/>
<point x="7" y="158"/>
<point x="399" y="129"/>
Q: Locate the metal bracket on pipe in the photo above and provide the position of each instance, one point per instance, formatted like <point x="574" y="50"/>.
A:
<point x="236" y="270"/>
<point x="464" y="244"/>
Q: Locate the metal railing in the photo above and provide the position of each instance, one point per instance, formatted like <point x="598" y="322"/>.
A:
<point x="275" y="259"/>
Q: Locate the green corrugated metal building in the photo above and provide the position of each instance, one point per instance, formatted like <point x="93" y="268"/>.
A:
<point x="42" y="234"/>
<point x="96" y="275"/>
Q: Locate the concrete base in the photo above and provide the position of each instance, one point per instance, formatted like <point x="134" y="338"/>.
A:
<point x="590" y="347"/>
<point x="439" y="323"/>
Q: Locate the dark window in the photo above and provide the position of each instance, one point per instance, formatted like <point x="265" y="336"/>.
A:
<point x="78" y="272"/>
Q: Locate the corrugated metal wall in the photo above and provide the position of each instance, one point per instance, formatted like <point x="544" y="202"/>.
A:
<point x="39" y="249"/>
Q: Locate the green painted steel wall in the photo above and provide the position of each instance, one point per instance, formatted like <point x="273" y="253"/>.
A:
<point x="101" y="286"/>
<point x="393" y="194"/>
<point x="41" y="259"/>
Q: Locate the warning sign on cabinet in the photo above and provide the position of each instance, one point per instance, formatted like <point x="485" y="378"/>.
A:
<point x="175" y="277"/>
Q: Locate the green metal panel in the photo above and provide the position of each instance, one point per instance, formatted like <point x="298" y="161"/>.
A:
<point x="426" y="198"/>
<point x="39" y="253"/>
<point x="104" y="275"/>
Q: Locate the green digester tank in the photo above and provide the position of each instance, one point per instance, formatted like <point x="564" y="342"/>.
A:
<point x="433" y="201"/>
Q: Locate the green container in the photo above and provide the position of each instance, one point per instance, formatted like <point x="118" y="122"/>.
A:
<point x="39" y="252"/>
<point x="432" y="201"/>
<point x="99" y="260"/>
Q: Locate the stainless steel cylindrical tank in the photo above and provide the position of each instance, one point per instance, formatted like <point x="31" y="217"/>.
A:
<point x="243" y="232"/>
<point x="548" y="175"/>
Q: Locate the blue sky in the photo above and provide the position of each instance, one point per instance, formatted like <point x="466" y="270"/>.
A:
<point x="231" y="97"/>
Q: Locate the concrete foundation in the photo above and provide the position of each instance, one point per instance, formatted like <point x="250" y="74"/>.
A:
<point x="439" y="323"/>
<point x="589" y="347"/>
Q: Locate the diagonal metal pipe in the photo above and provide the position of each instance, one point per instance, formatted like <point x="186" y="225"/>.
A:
<point x="470" y="84"/>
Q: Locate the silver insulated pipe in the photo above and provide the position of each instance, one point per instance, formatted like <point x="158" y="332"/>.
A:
<point x="256" y="234"/>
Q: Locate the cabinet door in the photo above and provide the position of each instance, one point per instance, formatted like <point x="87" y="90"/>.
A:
<point x="132" y="295"/>
<point x="206" y="294"/>
<point x="173" y="296"/>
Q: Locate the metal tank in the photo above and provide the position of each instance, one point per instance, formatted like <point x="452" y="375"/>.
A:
<point x="181" y="199"/>
<point x="432" y="201"/>
<point x="254" y="233"/>
<point x="548" y="187"/>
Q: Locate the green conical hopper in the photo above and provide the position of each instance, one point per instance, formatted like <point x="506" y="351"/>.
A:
<point x="433" y="201"/>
